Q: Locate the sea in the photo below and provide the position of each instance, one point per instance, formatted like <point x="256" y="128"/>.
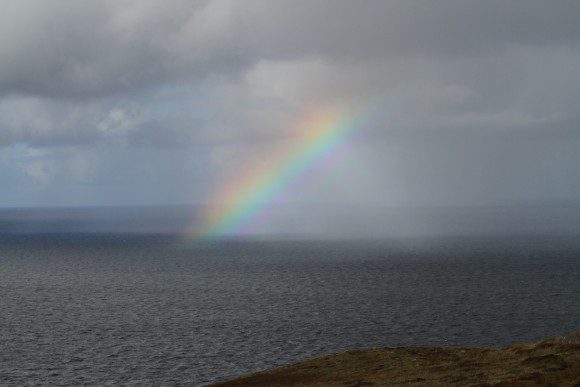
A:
<point x="97" y="308"/>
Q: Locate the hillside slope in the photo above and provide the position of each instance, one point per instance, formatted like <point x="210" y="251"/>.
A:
<point x="551" y="361"/>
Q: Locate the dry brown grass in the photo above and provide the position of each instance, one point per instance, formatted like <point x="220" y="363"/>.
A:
<point x="548" y="362"/>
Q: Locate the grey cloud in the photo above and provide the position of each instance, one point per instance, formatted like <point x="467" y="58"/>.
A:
<point x="374" y="28"/>
<point x="41" y="122"/>
<point x="85" y="48"/>
<point x="175" y="132"/>
<point x="46" y="122"/>
<point x="479" y="97"/>
<point x="72" y="49"/>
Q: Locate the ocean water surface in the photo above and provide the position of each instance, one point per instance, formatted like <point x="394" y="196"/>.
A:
<point x="116" y="308"/>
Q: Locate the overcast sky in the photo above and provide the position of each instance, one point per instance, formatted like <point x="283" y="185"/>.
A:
<point x="162" y="102"/>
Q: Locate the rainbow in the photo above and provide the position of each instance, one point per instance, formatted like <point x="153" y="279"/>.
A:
<point x="239" y="204"/>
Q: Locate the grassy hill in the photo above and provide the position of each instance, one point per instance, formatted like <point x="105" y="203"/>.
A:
<point x="548" y="362"/>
